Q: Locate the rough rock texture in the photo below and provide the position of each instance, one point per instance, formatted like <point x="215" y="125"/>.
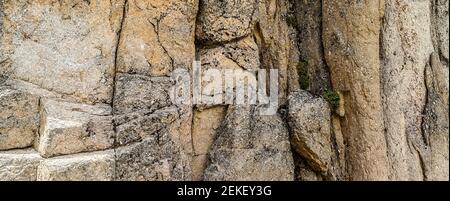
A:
<point x="407" y="46"/>
<point x="307" y="16"/>
<point x="309" y="119"/>
<point x="19" y="165"/>
<point x="224" y="21"/>
<point x="19" y="118"/>
<point x="97" y="166"/>
<point x="352" y="48"/>
<point x="72" y="42"/>
<point x="88" y="86"/>
<point x="157" y="37"/>
<point x="70" y="128"/>
<point x="204" y="131"/>
<point x="250" y="147"/>
<point x="154" y="143"/>
<point x="277" y="43"/>
<point x="157" y="158"/>
<point x="436" y="121"/>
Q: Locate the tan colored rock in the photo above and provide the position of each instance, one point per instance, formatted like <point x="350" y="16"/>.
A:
<point x="199" y="164"/>
<point x="19" y="118"/>
<point x="232" y="61"/>
<point x="303" y="171"/>
<point x="137" y="92"/>
<point x="153" y="134"/>
<point x="242" y="54"/>
<point x="19" y="165"/>
<point x="224" y="21"/>
<point x="277" y="41"/>
<point x="71" y="42"/>
<point x="440" y="24"/>
<point x="407" y="45"/>
<point x="204" y="130"/>
<point x="351" y="33"/>
<point x="134" y="127"/>
<point x="69" y="128"/>
<point x="159" y="157"/>
<point x="96" y="166"/>
<point x="309" y="120"/>
<point x="250" y="147"/>
<point x="157" y="37"/>
<point x="436" y="121"/>
<point x="206" y="122"/>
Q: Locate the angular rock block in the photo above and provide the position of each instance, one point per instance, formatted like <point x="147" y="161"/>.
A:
<point x="19" y="165"/>
<point x="162" y="42"/>
<point x="223" y="21"/>
<point x="96" y="166"/>
<point x="69" y="128"/>
<point x="309" y="119"/>
<point x="250" y="147"/>
<point x="19" y="118"/>
<point x="71" y="42"/>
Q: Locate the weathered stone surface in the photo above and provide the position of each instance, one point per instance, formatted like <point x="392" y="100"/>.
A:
<point x="440" y="26"/>
<point x="351" y="36"/>
<point x="69" y="128"/>
<point x="153" y="134"/>
<point x="72" y="42"/>
<point x="242" y="54"/>
<point x="436" y="121"/>
<point x="407" y="46"/>
<point x="232" y="61"/>
<point x="134" y="127"/>
<point x="156" y="158"/>
<point x="309" y="120"/>
<point x="19" y="165"/>
<point x="223" y="21"/>
<point x="206" y="122"/>
<point x="250" y="147"/>
<point x="277" y="41"/>
<point x="204" y="130"/>
<point x="19" y="118"/>
<point x="303" y="171"/>
<point x="136" y="92"/>
<point x="308" y="18"/>
<point x="96" y="166"/>
<point x="98" y="76"/>
<point x="157" y="37"/>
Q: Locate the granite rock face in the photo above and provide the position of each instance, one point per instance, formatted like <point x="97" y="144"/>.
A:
<point x="250" y="147"/>
<point x="72" y="42"/>
<point x="19" y="165"/>
<point x="19" y="118"/>
<point x="87" y="90"/>
<point x="224" y="21"/>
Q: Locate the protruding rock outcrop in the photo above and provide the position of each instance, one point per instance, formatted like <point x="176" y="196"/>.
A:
<point x="309" y="120"/>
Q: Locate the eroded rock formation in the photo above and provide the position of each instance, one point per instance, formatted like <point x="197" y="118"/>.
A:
<point x="85" y="90"/>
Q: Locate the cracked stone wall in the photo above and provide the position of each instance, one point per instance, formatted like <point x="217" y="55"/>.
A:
<point x="85" y="90"/>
